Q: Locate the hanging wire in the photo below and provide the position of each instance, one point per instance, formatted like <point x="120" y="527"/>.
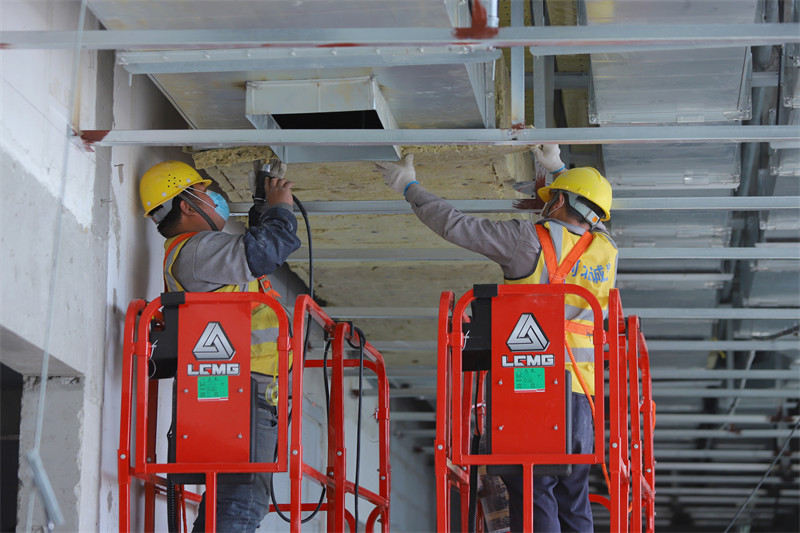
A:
<point x="764" y="477"/>
<point x="54" y="515"/>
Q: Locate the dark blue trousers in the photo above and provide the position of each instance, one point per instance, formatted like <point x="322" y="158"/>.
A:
<point x="560" y="503"/>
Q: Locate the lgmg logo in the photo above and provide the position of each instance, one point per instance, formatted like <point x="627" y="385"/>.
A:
<point x="214" y="345"/>
<point x="527" y="336"/>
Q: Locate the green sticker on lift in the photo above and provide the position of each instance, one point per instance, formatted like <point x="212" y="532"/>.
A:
<point x="528" y="379"/>
<point x="212" y="387"/>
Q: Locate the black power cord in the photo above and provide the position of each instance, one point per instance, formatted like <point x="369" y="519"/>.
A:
<point x="304" y="213"/>
<point x="310" y="247"/>
<point x="324" y="489"/>
<point x="362" y="341"/>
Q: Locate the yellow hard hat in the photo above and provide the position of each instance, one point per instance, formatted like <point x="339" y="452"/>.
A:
<point x="583" y="181"/>
<point x="164" y="181"/>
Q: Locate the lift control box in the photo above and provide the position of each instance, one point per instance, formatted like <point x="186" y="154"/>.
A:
<point x="213" y="396"/>
<point x="529" y="392"/>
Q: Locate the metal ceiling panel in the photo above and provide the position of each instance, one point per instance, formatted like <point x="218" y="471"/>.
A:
<point x="785" y="159"/>
<point x="667" y="229"/>
<point x="703" y="86"/>
<point x="677" y="329"/>
<point x="774" y="289"/>
<point x="790" y="86"/>
<point x="672" y="166"/>
<point x="667" y="87"/>
<point x="418" y="95"/>
<point x="255" y="14"/>
<point x="670" y="11"/>
<point x="675" y="297"/>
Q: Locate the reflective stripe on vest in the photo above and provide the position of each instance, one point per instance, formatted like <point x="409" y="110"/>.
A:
<point x="595" y="271"/>
<point x="264" y="322"/>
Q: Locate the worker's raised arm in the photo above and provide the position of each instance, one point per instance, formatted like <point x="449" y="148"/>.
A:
<point x="272" y="233"/>
<point x="496" y="240"/>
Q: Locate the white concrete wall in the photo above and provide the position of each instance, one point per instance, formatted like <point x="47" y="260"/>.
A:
<point x="72" y="222"/>
<point x="54" y="259"/>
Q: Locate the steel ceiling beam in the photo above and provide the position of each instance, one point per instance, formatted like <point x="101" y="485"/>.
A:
<point x="543" y="40"/>
<point x="665" y="451"/>
<point x="684" y="419"/>
<point x="752" y="481"/>
<point x="488" y="206"/>
<point x="580" y="80"/>
<point x="656" y="373"/>
<point x="718" y="467"/>
<point x="681" y="419"/>
<point x="663" y="392"/>
<point x="252" y="59"/>
<point x="671" y="434"/>
<point x="701" y="373"/>
<point x="413" y="416"/>
<point x="653" y="345"/>
<point x="678" y="313"/>
<point x="454" y="254"/>
<point x="215" y="138"/>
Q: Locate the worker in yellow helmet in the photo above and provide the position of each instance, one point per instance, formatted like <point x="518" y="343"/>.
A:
<point x="199" y="257"/>
<point x="577" y="203"/>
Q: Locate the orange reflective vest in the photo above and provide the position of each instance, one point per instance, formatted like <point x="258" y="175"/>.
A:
<point x="264" y="321"/>
<point x="588" y="260"/>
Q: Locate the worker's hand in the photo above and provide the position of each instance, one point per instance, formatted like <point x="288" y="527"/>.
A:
<point x="279" y="191"/>
<point x="398" y="177"/>
<point x="277" y="170"/>
<point x="549" y="156"/>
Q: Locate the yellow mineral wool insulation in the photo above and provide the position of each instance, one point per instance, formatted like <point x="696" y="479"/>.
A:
<point x="454" y="171"/>
<point x="387" y="329"/>
<point x="394" y="283"/>
<point x="374" y="232"/>
<point x="576" y="108"/>
<point x="233" y="180"/>
<point x="408" y="359"/>
<point x="562" y="12"/>
<point x="502" y="94"/>
<point x="220" y="157"/>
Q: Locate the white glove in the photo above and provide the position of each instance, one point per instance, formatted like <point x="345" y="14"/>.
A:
<point x="398" y="177"/>
<point x="549" y="156"/>
<point x="277" y="170"/>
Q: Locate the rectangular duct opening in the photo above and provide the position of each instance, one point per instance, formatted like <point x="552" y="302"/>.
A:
<point x="333" y="120"/>
<point x="322" y="104"/>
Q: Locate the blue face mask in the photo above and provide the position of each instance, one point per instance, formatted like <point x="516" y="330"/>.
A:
<point x="221" y="208"/>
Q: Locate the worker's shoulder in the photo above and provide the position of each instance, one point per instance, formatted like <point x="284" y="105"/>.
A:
<point x="209" y="242"/>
